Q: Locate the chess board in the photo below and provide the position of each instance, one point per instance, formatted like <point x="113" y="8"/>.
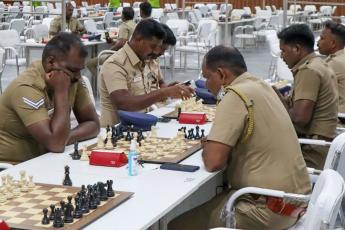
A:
<point x="193" y="106"/>
<point x="158" y="150"/>
<point x="25" y="211"/>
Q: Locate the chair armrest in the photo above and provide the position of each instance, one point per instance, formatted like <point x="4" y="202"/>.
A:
<point x="314" y="142"/>
<point x="12" y="49"/>
<point x="229" y="208"/>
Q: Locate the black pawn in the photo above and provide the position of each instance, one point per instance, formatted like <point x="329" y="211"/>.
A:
<point x="69" y="198"/>
<point x="128" y="136"/>
<point x="76" y="155"/>
<point x="110" y="191"/>
<point x="52" y="212"/>
<point x="192" y="133"/>
<point x="108" y="128"/>
<point x="92" y="202"/>
<point x="67" y="180"/>
<point x="45" y="219"/>
<point x="202" y="133"/>
<point x="77" y="211"/>
<point x="68" y="218"/>
<point x="85" y="205"/>
<point x="58" y="221"/>
<point x="103" y="192"/>
<point x="62" y="206"/>
<point x="197" y="134"/>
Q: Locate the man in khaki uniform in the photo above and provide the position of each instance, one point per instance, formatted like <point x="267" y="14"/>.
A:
<point x="72" y="24"/>
<point x="35" y="107"/>
<point x="331" y="43"/>
<point x="152" y="68"/>
<point x="257" y="145"/>
<point x="313" y="104"/>
<point x="126" y="30"/>
<point x="122" y="82"/>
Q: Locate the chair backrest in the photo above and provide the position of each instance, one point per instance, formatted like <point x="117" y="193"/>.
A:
<point x="204" y="10"/>
<point x="84" y="4"/>
<point x="326" y="10"/>
<point x="237" y="13"/>
<point x="58" y="5"/>
<point x="257" y="8"/>
<point x="26" y="10"/>
<point x="126" y="4"/>
<point x="157" y="13"/>
<point x="50" y="6"/>
<point x="268" y="8"/>
<point x="40" y="31"/>
<point x="108" y="17"/>
<point x="212" y="6"/>
<point x="336" y="155"/>
<point x="87" y="83"/>
<point x="198" y="5"/>
<point x="224" y="8"/>
<point x="172" y="15"/>
<point x="90" y="26"/>
<point x="197" y="14"/>
<point x="26" y="3"/>
<point x="173" y="6"/>
<point x="74" y="4"/>
<point x="310" y="8"/>
<point x="9" y="38"/>
<point x="283" y="71"/>
<point x="274" y="8"/>
<point x="325" y="201"/>
<point x="137" y="4"/>
<point x="180" y="25"/>
<point x="265" y="14"/>
<point x="273" y="43"/>
<point x="207" y="30"/>
<point x="119" y="10"/>
<point x="18" y="25"/>
<point x="294" y="7"/>
<point x="247" y="10"/>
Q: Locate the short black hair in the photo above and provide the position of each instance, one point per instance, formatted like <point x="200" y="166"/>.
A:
<point x="127" y="13"/>
<point x="146" y="9"/>
<point x="337" y="29"/>
<point x="170" y="38"/>
<point x="298" y="34"/>
<point x="149" y="28"/>
<point x="227" y="57"/>
<point x="61" y="44"/>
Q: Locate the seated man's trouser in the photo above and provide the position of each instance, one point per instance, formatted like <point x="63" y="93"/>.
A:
<point x="315" y="155"/>
<point x="249" y="214"/>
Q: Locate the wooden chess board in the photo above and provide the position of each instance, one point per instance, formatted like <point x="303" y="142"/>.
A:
<point x="158" y="150"/>
<point x="26" y="211"/>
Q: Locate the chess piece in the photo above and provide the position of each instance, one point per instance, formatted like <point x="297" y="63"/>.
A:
<point x="84" y="155"/>
<point x="76" y="155"/>
<point x="31" y="184"/>
<point x="22" y="174"/>
<point x="77" y="214"/>
<point x="128" y="136"/>
<point x="24" y="186"/>
<point x="197" y="134"/>
<point x="107" y="129"/>
<point x="69" y="198"/>
<point x="202" y="133"/>
<point x="67" y="181"/>
<point x="58" y="221"/>
<point x="68" y="218"/>
<point x="62" y="207"/>
<point x="103" y="192"/>
<point x="52" y="212"/>
<point x="109" y="145"/>
<point x="110" y="191"/>
<point x="45" y="219"/>
<point x="85" y="204"/>
<point x="3" y="180"/>
<point x="92" y="202"/>
<point x="100" y="143"/>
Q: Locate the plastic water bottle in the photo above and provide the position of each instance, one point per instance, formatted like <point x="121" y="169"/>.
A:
<point x="133" y="159"/>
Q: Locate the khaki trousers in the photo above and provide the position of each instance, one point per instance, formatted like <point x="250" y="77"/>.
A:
<point x="314" y="155"/>
<point x="248" y="215"/>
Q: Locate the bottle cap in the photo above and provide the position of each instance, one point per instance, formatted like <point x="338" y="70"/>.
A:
<point x="133" y="146"/>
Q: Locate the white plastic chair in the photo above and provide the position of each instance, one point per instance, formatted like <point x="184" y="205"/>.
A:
<point x="74" y="4"/>
<point x="2" y="65"/>
<point x="257" y="8"/>
<point x="9" y="40"/>
<point x="268" y="8"/>
<point x="265" y="14"/>
<point x="95" y="81"/>
<point x="89" y="89"/>
<point x="18" y="25"/>
<point x="323" y="204"/>
<point x="237" y="13"/>
<point x="225" y="8"/>
<point x="107" y="20"/>
<point x="26" y="10"/>
<point x="157" y="13"/>
<point x="179" y="25"/>
<point x="247" y="10"/>
<point x="13" y="12"/>
<point x="172" y="15"/>
<point x="136" y="4"/>
<point x="295" y="8"/>
<point x="90" y="26"/>
<point x="244" y="36"/>
<point x="204" y="10"/>
<point x="212" y="6"/>
<point x="310" y="8"/>
<point x="47" y="21"/>
<point x="173" y="6"/>
<point x="39" y="32"/>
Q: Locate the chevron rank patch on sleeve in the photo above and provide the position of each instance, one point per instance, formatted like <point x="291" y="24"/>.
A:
<point x="34" y="104"/>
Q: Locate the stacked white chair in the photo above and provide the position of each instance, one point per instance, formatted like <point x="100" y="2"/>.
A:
<point x="9" y="41"/>
<point x="2" y="65"/>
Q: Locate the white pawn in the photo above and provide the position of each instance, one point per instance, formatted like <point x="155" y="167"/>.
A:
<point x="109" y="144"/>
<point x="84" y="155"/>
<point x="100" y="142"/>
<point x="3" y="197"/>
<point x="4" y="179"/>
<point x="31" y="184"/>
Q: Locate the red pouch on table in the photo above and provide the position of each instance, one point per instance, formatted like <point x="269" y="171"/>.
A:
<point x="110" y="159"/>
<point x="192" y="118"/>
